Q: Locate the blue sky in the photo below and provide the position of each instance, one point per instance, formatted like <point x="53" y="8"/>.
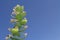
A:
<point x="43" y="16"/>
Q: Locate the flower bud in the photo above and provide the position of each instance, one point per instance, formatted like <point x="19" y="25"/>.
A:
<point x="13" y="20"/>
<point x="13" y="13"/>
<point x="10" y="35"/>
<point x="7" y="38"/>
<point x="25" y="27"/>
<point x="9" y="29"/>
<point x="14" y="9"/>
<point x="18" y="5"/>
<point x="25" y="34"/>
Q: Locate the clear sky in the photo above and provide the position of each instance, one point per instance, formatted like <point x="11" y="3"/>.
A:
<point x="43" y="16"/>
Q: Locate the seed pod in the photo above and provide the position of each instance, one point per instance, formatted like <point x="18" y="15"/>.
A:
<point x="24" y="21"/>
<point x="15" y="31"/>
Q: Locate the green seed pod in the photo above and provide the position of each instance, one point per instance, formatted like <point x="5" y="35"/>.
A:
<point x="15" y="31"/>
<point x="19" y="8"/>
<point x="20" y="16"/>
<point x="24" y="21"/>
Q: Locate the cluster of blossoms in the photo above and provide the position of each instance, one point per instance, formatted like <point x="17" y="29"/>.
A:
<point x="20" y="24"/>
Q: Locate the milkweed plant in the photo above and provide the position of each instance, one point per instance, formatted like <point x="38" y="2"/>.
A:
<point x="19" y="21"/>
